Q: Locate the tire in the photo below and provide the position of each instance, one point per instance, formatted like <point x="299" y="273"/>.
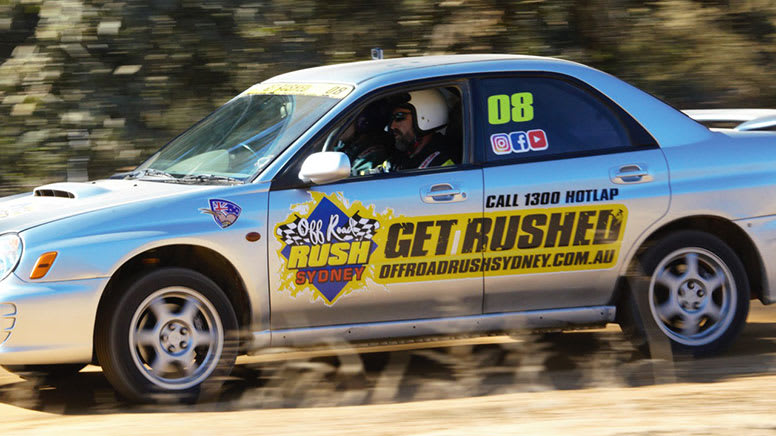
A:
<point x="692" y="290"/>
<point x="171" y="336"/>
<point x="46" y="372"/>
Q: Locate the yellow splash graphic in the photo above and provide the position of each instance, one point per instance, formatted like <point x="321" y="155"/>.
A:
<point x="330" y="258"/>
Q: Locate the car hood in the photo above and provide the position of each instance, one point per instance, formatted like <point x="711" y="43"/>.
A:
<point x="61" y="200"/>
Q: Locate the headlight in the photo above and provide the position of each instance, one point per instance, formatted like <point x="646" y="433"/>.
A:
<point x="10" y="253"/>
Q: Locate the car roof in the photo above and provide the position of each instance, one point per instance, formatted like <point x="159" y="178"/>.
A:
<point x="666" y="124"/>
<point x="355" y="73"/>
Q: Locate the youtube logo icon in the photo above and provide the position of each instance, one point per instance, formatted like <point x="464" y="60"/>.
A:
<point x="537" y="139"/>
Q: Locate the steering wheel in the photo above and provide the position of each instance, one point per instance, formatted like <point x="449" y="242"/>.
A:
<point x="327" y="146"/>
<point x="247" y="147"/>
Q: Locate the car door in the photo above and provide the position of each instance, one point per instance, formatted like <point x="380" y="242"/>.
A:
<point x="571" y="181"/>
<point x="371" y="248"/>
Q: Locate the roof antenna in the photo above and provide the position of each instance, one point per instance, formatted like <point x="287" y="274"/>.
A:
<point x="377" y="53"/>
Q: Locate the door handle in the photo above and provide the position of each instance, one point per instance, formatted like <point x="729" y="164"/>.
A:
<point x="630" y="173"/>
<point x="442" y="193"/>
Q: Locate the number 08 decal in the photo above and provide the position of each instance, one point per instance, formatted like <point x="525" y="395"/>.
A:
<point x="503" y="108"/>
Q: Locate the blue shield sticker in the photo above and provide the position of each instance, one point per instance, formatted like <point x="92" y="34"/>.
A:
<point x="224" y="212"/>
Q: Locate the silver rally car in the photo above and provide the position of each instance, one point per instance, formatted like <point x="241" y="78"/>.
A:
<point x="285" y="219"/>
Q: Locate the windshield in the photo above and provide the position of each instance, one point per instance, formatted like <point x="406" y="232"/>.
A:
<point x="240" y="138"/>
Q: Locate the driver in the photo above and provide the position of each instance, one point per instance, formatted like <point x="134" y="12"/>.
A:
<point x="416" y="122"/>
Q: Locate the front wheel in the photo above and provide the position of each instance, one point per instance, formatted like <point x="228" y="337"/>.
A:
<point x="170" y="336"/>
<point x="697" y="293"/>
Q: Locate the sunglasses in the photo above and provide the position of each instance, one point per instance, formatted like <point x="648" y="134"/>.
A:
<point x="399" y="116"/>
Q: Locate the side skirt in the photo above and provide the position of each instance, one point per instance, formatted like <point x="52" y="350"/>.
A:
<point x="571" y="318"/>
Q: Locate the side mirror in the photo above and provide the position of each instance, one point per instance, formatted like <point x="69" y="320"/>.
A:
<point x="325" y="167"/>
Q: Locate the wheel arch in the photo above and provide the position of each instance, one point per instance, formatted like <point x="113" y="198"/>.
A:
<point x="730" y="233"/>
<point x="198" y="258"/>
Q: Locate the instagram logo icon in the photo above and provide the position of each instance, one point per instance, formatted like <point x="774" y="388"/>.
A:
<point x="500" y="143"/>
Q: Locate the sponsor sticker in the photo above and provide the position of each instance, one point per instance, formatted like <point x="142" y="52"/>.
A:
<point x="327" y="250"/>
<point x="330" y="90"/>
<point x="224" y="212"/>
<point x="331" y="247"/>
<point x="537" y="139"/>
<point x="519" y="142"/>
<point x="500" y="143"/>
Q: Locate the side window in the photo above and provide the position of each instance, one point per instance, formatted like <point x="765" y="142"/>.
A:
<point x="412" y="130"/>
<point x="364" y="136"/>
<point x="531" y="117"/>
<point x="403" y="131"/>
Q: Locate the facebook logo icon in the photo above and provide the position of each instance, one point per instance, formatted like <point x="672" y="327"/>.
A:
<point x="519" y="142"/>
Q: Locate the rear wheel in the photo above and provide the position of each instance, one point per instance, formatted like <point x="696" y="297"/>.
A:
<point x="697" y="294"/>
<point x="171" y="336"/>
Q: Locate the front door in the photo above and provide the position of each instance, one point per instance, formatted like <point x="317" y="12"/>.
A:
<point x="382" y="246"/>
<point x="379" y="249"/>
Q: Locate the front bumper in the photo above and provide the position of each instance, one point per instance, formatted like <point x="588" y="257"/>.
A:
<point x="48" y="323"/>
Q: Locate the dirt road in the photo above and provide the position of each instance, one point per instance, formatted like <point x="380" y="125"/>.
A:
<point x="575" y="383"/>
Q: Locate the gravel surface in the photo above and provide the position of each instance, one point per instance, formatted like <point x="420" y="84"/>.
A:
<point x="574" y="383"/>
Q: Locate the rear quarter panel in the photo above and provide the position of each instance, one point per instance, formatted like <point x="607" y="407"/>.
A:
<point x="732" y="176"/>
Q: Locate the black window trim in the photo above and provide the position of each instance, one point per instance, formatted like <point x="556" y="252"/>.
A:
<point x="283" y="180"/>
<point x="622" y="117"/>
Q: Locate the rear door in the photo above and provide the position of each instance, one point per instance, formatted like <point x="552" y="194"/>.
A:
<point x="571" y="181"/>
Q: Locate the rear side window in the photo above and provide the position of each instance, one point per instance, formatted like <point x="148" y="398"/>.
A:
<point x="523" y="118"/>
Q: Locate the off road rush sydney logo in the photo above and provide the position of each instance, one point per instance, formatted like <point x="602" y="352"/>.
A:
<point x="328" y="249"/>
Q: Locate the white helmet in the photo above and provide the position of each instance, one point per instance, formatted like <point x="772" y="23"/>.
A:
<point x="429" y="110"/>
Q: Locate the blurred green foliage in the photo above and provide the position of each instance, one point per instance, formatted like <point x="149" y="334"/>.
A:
<point x="113" y="80"/>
